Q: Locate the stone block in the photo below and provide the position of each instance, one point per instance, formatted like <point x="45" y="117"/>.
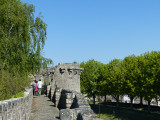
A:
<point x="73" y="95"/>
<point x="58" y="89"/>
<point x="15" y="102"/>
<point x="66" y="114"/>
<point x="69" y="95"/>
<point x="52" y="91"/>
<point x="10" y="105"/>
<point x="88" y="113"/>
<point x="9" y="116"/>
<point x="4" y="116"/>
<point x="1" y="108"/>
<point x="5" y="106"/>
<point x="69" y="101"/>
<point x="21" y="100"/>
<point x="26" y="98"/>
<point x="68" y="105"/>
<point x="89" y="118"/>
<point x="84" y="106"/>
<point x="58" y="93"/>
<point x="77" y="111"/>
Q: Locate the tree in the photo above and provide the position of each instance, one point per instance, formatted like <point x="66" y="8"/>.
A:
<point x="89" y="78"/>
<point x="132" y="77"/>
<point x="151" y="76"/>
<point x="141" y="79"/>
<point x="104" y="82"/>
<point x="22" y="38"/>
<point x="115" y="79"/>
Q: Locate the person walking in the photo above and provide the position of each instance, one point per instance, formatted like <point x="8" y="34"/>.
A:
<point x="36" y="89"/>
<point x="33" y="86"/>
<point x="40" y="86"/>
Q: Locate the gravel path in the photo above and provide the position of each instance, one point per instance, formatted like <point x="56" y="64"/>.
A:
<point x="43" y="109"/>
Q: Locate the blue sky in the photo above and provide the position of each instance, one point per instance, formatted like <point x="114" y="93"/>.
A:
<point x="79" y="30"/>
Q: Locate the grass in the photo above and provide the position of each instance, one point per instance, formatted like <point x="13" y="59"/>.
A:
<point x="135" y="106"/>
<point x="119" y="113"/>
<point x="20" y="94"/>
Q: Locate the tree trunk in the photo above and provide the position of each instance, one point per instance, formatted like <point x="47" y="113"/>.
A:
<point x="156" y="101"/>
<point x="94" y="99"/>
<point x="105" y="100"/>
<point x="131" y="101"/>
<point x="141" y="101"/>
<point x="149" y="102"/>
<point x="117" y="99"/>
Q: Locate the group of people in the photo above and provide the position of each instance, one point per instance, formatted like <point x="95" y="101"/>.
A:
<point x="37" y="87"/>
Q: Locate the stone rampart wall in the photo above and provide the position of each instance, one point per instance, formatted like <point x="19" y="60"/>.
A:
<point x="17" y="108"/>
<point x="72" y="104"/>
<point x="64" y="75"/>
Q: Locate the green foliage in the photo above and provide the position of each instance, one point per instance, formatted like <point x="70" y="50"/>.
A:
<point x="133" y="76"/>
<point x="45" y="82"/>
<point x="151" y="75"/>
<point x="20" y="94"/>
<point x="22" y="39"/>
<point x="11" y="84"/>
<point x="89" y="77"/>
<point x="115" y="78"/>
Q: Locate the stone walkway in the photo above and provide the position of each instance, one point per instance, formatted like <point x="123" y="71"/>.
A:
<point x="43" y="109"/>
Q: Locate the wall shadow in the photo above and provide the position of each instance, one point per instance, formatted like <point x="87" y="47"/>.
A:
<point x="124" y="113"/>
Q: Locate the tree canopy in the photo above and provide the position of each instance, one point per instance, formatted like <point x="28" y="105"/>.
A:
<point x="22" y="39"/>
<point x="90" y="77"/>
<point x="132" y="76"/>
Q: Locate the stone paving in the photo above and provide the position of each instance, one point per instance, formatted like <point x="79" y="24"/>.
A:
<point x="43" y="109"/>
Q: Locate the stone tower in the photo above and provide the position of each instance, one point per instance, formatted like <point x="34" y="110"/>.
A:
<point x="67" y="76"/>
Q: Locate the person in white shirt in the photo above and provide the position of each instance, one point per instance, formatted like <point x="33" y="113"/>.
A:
<point x="40" y="86"/>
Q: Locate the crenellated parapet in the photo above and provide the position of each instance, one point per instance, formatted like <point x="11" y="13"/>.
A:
<point x="64" y="75"/>
<point x="67" y="76"/>
<point x="71" y="71"/>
